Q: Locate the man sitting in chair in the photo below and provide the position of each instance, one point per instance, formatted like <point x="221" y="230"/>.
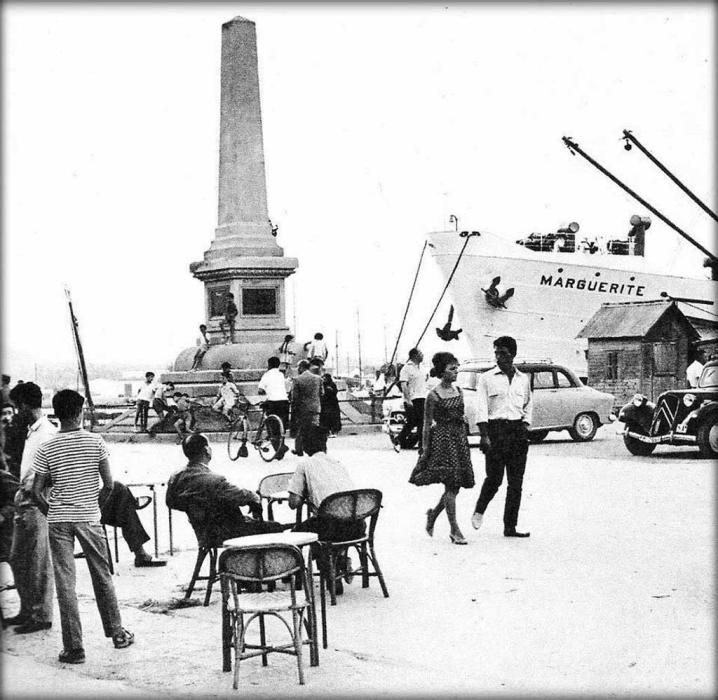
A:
<point x="211" y="502"/>
<point x="316" y="477"/>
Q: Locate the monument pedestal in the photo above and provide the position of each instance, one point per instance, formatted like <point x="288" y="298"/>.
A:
<point x="244" y="259"/>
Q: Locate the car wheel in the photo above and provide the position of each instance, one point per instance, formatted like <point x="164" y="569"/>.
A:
<point x="537" y="435"/>
<point x="584" y="427"/>
<point x="638" y="447"/>
<point x="707" y="437"/>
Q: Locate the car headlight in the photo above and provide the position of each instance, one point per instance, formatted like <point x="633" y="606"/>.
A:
<point x="639" y="400"/>
<point x="689" y="400"/>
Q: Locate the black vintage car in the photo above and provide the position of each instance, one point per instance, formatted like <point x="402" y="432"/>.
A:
<point x="679" y="417"/>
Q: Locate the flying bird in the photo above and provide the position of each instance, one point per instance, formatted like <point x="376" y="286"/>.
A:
<point x="446" y="333"/>
<point x="494" y="297"/>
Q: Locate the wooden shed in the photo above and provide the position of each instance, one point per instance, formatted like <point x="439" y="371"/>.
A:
<point x="638" y="347"/>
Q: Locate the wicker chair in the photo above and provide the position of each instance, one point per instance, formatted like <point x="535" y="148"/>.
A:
<point x="347" y="507"/>
<point x="273" y="489"/>
<point x="253" y="567"/>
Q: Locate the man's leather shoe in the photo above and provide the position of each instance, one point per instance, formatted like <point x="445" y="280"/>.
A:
<point x="150" y="562"/>
<point x="514" y="533"/>
<point x="16" y="620"/>
<point x="30" y="627"/>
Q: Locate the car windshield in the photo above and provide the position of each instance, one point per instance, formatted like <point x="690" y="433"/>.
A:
<point x="709" y="377"/>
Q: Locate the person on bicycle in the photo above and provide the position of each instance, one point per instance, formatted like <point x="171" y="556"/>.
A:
<point x="227" y="397"/>
<point x="273" y="386"/>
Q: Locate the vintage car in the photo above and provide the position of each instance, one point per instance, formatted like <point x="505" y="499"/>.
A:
<point x="679" y="417"/>
<point x="560" y="400"/>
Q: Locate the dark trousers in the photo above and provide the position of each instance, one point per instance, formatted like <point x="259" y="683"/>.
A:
<point x="509" y="449"/>
<point x="305" y="424"/>
<point x="141" y="414"/>
<point x="119" y="509"/>
<point x="414" y="417"/>
<point x="279" y="409"/>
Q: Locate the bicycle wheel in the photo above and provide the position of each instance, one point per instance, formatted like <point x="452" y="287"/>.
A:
<point x="237" y="437"/>
<point x="270" y="438"/>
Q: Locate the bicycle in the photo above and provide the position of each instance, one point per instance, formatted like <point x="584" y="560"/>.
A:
<point x="267" y="437"/>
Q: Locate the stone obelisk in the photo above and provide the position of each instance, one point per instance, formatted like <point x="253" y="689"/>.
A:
<point x="244" y="258"/>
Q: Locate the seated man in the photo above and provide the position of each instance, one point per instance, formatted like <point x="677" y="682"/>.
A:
<point x="211" y="502"/>
<point x="316" y="477"/>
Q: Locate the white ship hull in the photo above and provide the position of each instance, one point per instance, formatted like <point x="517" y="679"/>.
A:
<point x="555" y="294"/>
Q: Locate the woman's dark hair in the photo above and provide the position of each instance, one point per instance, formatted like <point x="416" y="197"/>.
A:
<point x="441" y="361"/>
<point x="193" y="445"/>
<point x="67" y="404"/>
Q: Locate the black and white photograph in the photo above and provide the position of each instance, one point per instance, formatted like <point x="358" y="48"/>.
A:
<point x="358" y="350"/>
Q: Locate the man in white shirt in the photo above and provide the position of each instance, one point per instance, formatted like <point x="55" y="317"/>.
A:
<point x="412" y="381"/>
<point x="318" y="348"/>
<point x="145" y="394"/>
<point x="316" y="477"/>
<point x="504" y="408"/>
<point x="273" y="385"/>
<point x="30" y="554"/>
<point x="693" y="371"/>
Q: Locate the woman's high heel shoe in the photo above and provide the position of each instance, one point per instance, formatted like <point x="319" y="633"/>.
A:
<point x="430" y="522"/>
<point x="458" y="540"/>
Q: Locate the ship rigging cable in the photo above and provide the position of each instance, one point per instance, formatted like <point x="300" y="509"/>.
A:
<point x="574" y="148"/>
<point x="631" y="139"/>
<point x="464" y="234"/>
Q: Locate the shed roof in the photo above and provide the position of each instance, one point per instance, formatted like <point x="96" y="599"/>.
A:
<point x="632" y="319"/>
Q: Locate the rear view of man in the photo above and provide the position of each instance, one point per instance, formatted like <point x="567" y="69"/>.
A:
<point x="413" y="386"/>
<point x="306" y="402"/>
<point x="74" y="461"/>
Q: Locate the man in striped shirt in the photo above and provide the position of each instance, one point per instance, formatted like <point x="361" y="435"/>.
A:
<point x="74" y="461"/>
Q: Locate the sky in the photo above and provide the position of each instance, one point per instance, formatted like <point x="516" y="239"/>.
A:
<point x="380" y="121"/>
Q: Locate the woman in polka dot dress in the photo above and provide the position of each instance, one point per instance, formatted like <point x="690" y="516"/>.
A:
<point x="446" y="458"/>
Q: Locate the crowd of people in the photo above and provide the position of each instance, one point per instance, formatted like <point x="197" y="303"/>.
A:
<point x="66" y="493"/>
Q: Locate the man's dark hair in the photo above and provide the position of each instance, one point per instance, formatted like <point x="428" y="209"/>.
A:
<point x="202" y="325"/>
<point x="225" y="366"/>
<point x="318" y="336"/>
<point x="171" y="384"/>
<point x="302" y="365"/>
<point x="176" y="394"/>
<point x="6" y="379"/>
<point x="27" y="393"/>
<point x="193" y="445"/>
<point x="506" y="341"/>
<point x="67" y="404"/>
<point x="316" y="362"/>
<point x="273" y="362"/>
<point x="414" y="353"/>
<point x="149" y="374"/>
<point x="7" y="404"/>
<point x="316" y="441"/>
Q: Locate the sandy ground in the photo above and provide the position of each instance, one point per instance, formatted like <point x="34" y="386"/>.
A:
<point x="613" y="594"/>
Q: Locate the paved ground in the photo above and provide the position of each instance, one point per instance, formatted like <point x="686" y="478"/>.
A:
<point x="613" y="594"/>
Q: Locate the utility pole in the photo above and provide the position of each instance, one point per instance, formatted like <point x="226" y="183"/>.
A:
<point x="336" y="352"/>
<point x="361" y="373"/>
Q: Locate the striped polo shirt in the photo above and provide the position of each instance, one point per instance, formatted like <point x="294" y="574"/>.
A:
<point x="72" y="461"/>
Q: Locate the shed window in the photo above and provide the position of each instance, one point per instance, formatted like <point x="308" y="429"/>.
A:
<point x="665" y="358"/>
<point x="612" y="365"/>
